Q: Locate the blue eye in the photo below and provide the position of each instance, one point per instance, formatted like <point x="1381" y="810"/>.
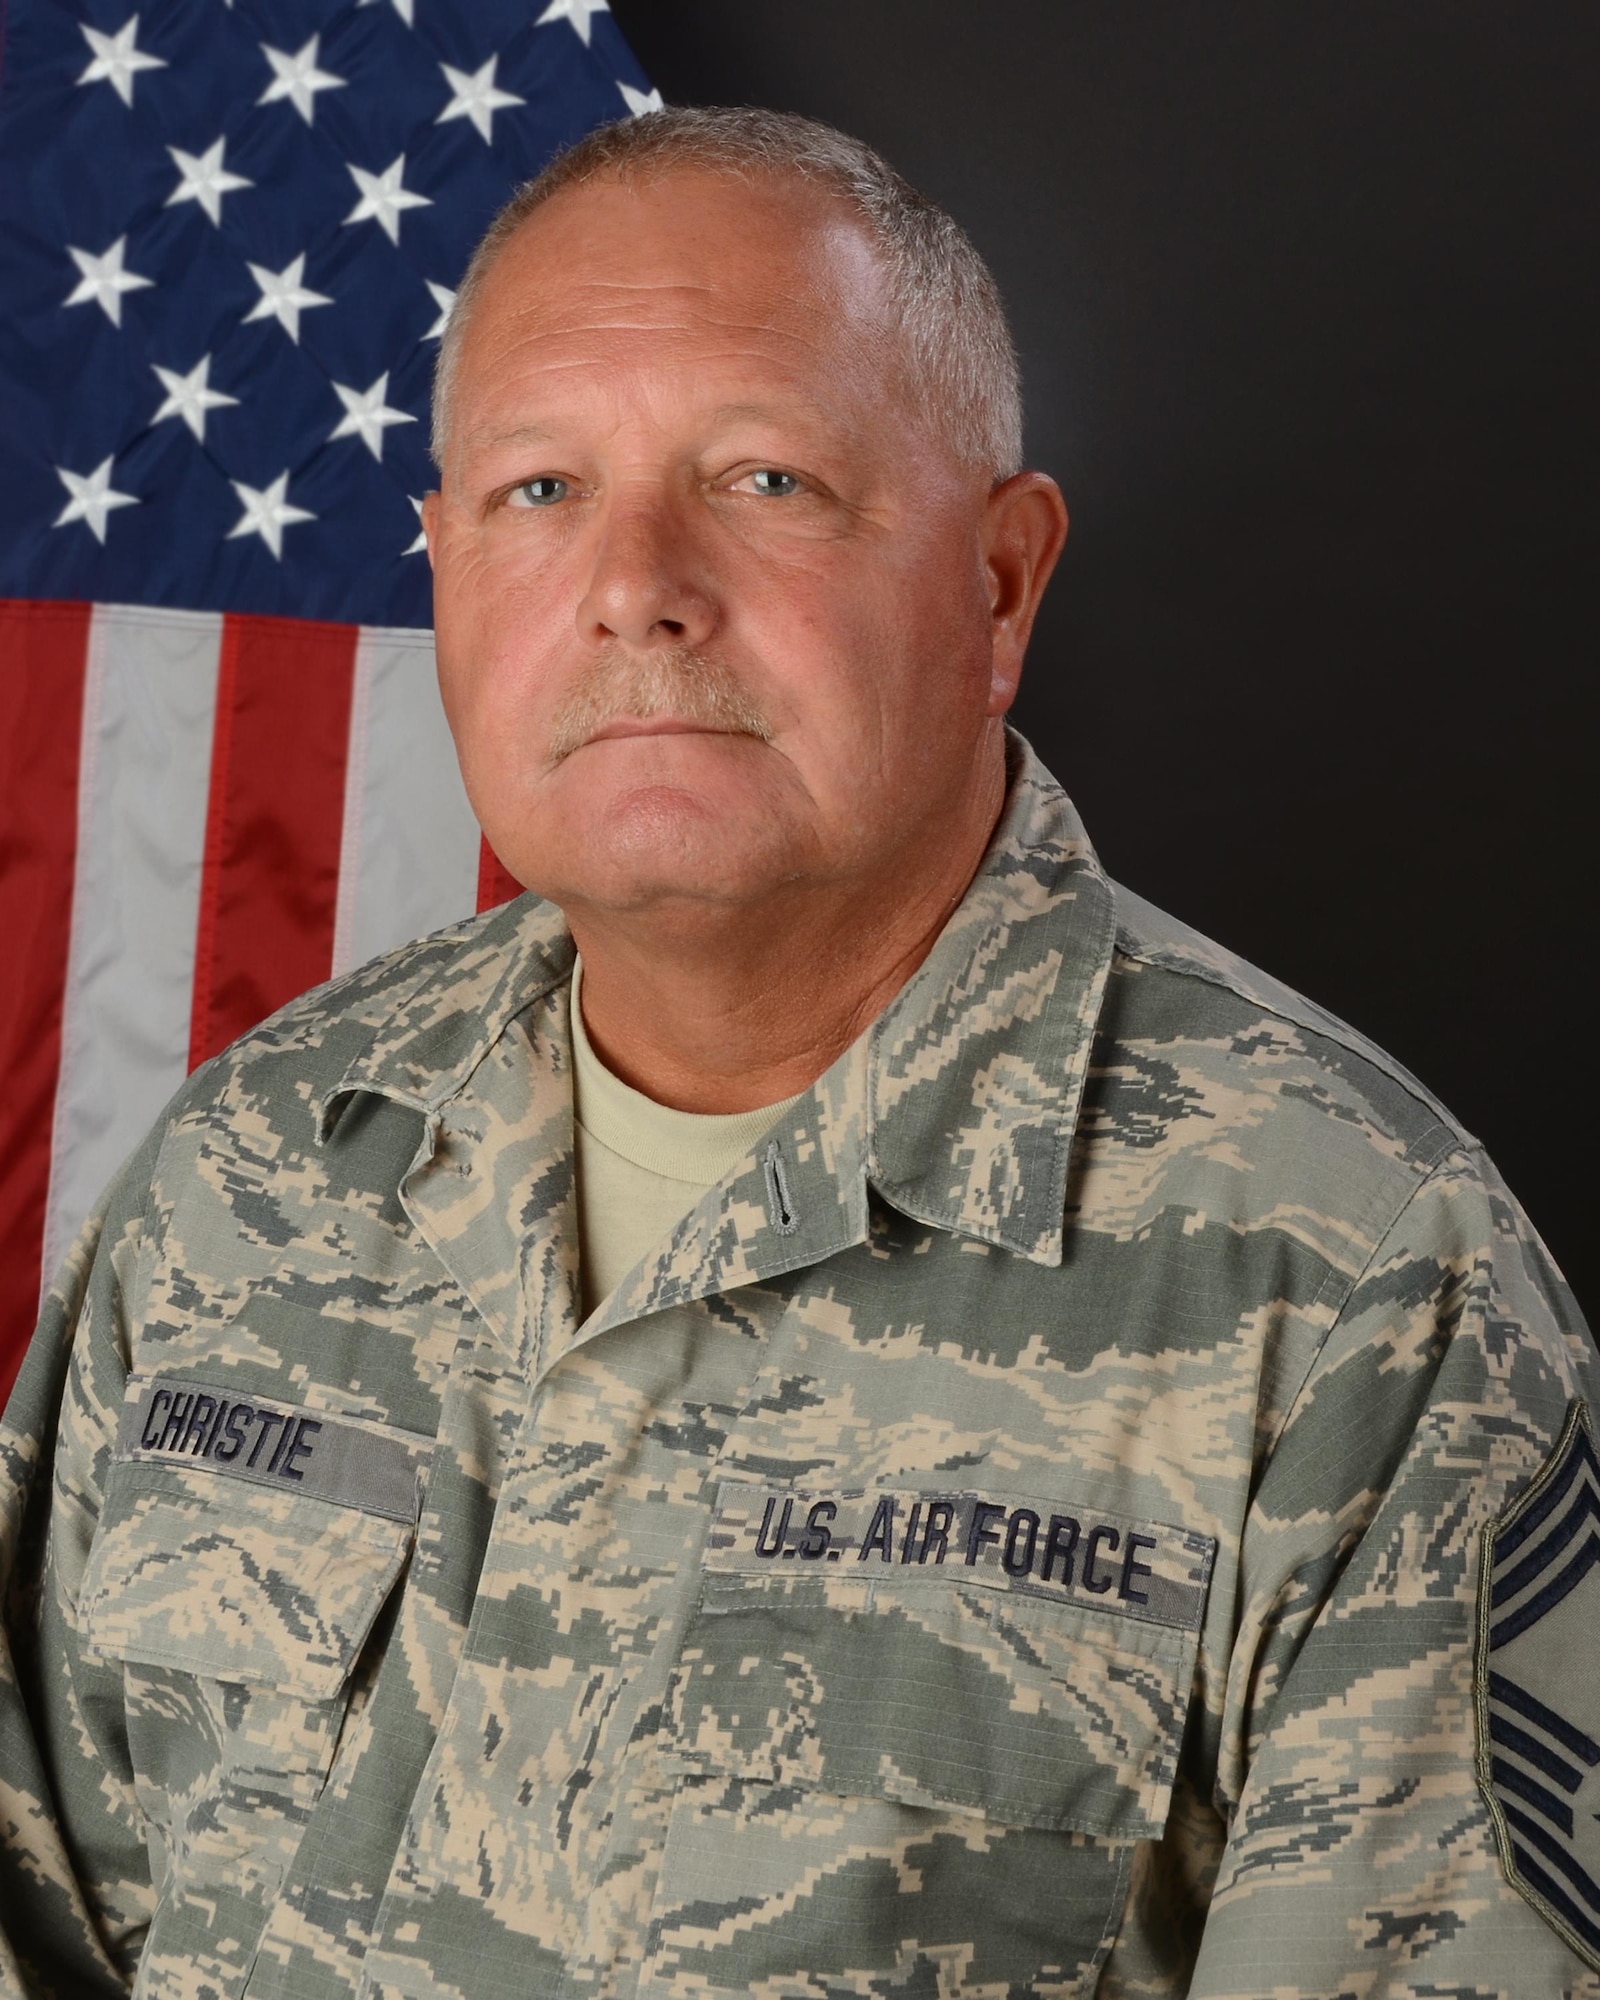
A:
<point x="542" y="492"/>
<point x="777" y="485"/>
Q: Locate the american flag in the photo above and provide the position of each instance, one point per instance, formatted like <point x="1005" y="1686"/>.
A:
<point x="230" y="232"/>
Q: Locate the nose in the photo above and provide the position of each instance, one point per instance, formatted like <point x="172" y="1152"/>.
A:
<point x="647" y="586"/>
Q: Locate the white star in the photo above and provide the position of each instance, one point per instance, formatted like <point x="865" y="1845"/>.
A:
<point x="203" y="178"/>
<point x="383" y="198"/>
<point x="578" y="12"/>
<point x="402" y="7"/>
<point x="366" y="415"/>
<point x="116" y="61"/>
<point x="284" y="296"/>
<point x="640" y="101"/>
<point x="420" y="545"/>
<point x="298" y="78"/>
<point x="93" y="498"/>
<point x="190" y="396"/>
<point x="476" y="97"/>
<point x="445" y="300"/>
<point x="103" y="280"/>
<point x="266" y="513"/>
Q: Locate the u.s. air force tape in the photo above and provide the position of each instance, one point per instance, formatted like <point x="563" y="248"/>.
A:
<point x="1071" y="1554"/>
<point x="200" y="1426"/>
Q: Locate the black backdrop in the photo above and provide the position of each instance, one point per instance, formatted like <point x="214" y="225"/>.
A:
<point x="1307" y="302"/>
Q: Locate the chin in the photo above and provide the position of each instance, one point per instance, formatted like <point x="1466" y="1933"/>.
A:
<point x="663" y="846"/>
<point x="659" y="845"/>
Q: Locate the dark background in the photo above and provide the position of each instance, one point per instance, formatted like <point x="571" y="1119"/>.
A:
<point x="1307" y="303"/>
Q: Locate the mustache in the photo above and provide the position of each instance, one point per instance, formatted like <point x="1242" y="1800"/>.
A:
<point x="681" y="681"/>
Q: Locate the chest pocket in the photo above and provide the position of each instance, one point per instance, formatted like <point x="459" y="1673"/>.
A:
<point x="238" y="1616"/>
<point x="930" y="1774"/>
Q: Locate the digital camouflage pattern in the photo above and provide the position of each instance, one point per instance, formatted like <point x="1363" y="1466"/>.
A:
<point x="1021" y="1535"/>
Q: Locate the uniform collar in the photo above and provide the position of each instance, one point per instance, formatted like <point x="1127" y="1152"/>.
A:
<point x="958" y="1105"/>
<point x="976" y="1070"/>
<point x="454" y="1007"/>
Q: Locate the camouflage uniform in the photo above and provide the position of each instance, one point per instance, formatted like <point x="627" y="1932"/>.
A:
<point x="1021" y="1534"/>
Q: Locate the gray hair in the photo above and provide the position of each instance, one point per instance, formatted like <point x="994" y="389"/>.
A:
<point x="962" y="369"/>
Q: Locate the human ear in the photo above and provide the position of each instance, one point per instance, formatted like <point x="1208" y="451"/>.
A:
<point x="431" y="504"/>
<point x="1025" y="524"/>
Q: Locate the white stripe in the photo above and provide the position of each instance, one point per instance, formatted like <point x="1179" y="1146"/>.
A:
<point x="409" y="858"/>
<point x="355" y="795"/>
<point x="150" y="698"/>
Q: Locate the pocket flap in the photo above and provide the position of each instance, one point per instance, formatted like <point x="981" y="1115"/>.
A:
<point x="235" y="1583"/>
<point x="940" y="1685"/>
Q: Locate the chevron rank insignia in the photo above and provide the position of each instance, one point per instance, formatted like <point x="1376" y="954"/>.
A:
<point x="1538" y="1688"/>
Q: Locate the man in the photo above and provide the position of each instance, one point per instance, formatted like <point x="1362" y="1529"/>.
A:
<point x="839" y="1406"/>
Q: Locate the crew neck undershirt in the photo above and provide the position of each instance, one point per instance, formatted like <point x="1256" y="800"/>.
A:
<point x="641" y="1166"/>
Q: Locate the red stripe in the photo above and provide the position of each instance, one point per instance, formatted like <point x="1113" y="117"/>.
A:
<point x="43" y="649"/>
<point x="270" y="878"/>
<point x="496" y="883"/>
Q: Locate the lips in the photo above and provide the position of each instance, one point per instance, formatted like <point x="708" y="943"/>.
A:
<point x="654" y="725"/>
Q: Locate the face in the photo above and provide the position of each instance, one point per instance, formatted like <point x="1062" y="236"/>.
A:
<point x="719" y="619"/>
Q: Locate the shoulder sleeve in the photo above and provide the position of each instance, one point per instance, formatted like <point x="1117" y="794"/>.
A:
<point x="1362" y="1853"/>
<point x="75" y="1893"/>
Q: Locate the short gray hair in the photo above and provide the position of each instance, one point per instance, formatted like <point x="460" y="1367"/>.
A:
<point x="962" y="362"/>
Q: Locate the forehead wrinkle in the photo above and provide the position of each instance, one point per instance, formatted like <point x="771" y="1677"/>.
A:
<point x="807" y="410"/>
<point x="595" y="304"/>
<point x="616" y="327"/>
<point x="523" y="360"/>
<point x="800" y="274"/>
<point x="816" y="413"/>
<point x="535" y="323"/>
<point x="759" y="385"/>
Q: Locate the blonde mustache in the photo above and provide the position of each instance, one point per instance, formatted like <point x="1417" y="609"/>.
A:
<point x="694" y="687"/>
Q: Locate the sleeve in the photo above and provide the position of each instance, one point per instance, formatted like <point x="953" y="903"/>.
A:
<point x="75" y="1891"/>
<point x="1363" y="1854"/>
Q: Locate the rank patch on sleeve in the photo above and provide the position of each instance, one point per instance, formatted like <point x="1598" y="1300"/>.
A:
<point x="1538" y="1688"/>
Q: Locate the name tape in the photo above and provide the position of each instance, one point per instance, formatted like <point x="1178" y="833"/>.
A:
<point x="1067" y="1553"/>
<point x="203" y="1426"/>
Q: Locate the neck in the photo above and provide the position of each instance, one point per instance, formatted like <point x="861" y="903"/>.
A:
<point x="719" y="1011"/>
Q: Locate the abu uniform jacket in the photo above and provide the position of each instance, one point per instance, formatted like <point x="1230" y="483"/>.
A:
<point x="1079" y="1508"/>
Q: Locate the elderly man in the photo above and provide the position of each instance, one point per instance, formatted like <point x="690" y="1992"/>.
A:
<point x="838" y="1406"/>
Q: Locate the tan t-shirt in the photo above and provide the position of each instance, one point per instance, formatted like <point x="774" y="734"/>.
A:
<point x="641" y="1166"/>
